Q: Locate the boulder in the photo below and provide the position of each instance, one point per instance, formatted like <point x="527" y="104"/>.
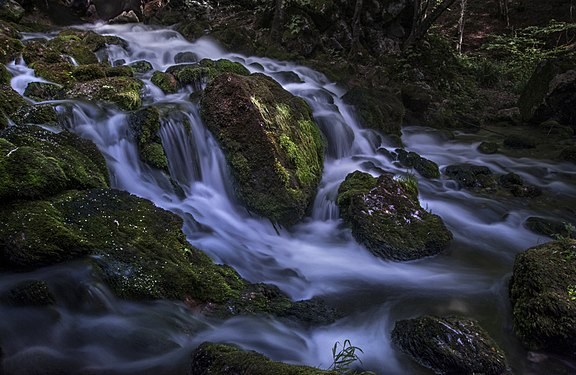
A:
<point x="549" y="227"/>
<point x="125" y="17"/>
<point x="202" y="73"/>
<point x="125" y="92"/>
<point x="274" y="148"/>
<point x="543" y="297"/>
<point x="222" y="359"/>
<point x="141" y="66"/>
<point x="10" y="102"/>
<point x="385" y="215"/>
<point x="28" y="293"/>
<point x="5" y="76"/>
<point x="449" y="345"/>
<point x="166" y="82"/>
<point x="426" y="168"/>
<point x="472" y="176"/>
<point x="10" y="10"/>
<point x="42" y="91"/>
<point x="10" y="46"/>
<point x="377" y="109"/>
<point x="145" y="125"/>
<point x="41" y="114"/>
<point x="568" y="154"/>
<point x="550" y="93"/>
<point x="37" y="163"/>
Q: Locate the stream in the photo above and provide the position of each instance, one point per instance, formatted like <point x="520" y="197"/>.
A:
<point x="317" y="257"/>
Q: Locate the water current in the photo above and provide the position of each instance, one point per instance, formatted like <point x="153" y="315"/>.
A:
<point x="318" y="257"/>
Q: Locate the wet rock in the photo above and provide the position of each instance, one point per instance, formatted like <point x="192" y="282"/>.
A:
<point x="36" y="163"/>
<point x="549" y="93"/>
<point x="517" y="186"/>
<point x="471" y="176"/>
<point x="141" y="66"/>
<point x="89" y="72"/>
<point x="145" y="124"/>
<point x="185" y="57"/>
<point x="377" y="109"/>
<point x="125" y="92"/>
<point x="222" y="359"/>
<point x="488" y="148"/>
<point x="166" y="82"/>
<point x="449" y="345"/>
<point x="125" y="17"/>
<point x="549" y="227"/>
<point x="41" y="91"/>
<point x="568" y="154"/>
<point x="10" y="102"/>
<point x="386" y="217"/>
<point x="510" y="116"/>
<point x="10" y="48"/>
<point x="543" y="295"/>
<point x="519" y="142"/>
<point x="273" y="146"/>
<point x="29" y="293"/>
<point x="5" y="75"/>
<point x="42" y="114"/>
<point x="205" y="71"/>
<point x="426" y="168"/>
<point x="10" y="10"/>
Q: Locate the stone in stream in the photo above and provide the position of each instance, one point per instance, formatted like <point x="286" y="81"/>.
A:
<point x="10" y="102"/>
<point x="543" y="296"/>
<point x="145" y="124"/>
<point x="549" y="227"/>
<point x="29" y="293"/>
<point x="426" y="168"/>
<point x="274" y="147"/>
<point x="449" y="345"/>
<point x="125" y="92"/>
<point x="385" y="216"/>
<point x="472" y="176"/>
<point x="222" y="359"/>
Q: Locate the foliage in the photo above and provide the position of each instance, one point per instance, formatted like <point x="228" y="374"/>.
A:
<point x="522" y="51"/>
<point x="343" y="359"/>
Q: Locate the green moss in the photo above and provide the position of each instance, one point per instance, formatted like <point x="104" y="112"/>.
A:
<point x="5" y="75"/>
<point x="119" y="71"/>
<point x="37" y="163"/>
<point x="41" y="91"/>
<point x="140" y="66"/>
<point x="221" y="359"/>
<point x="10" y="48"/>
<point x="88" y="72"/>
<point x="61" y="73"/>
<point x="42" y="114"/>
<point x="166" y="82"/>
<point x="145" y="125"/>
<point x="543" y="312"/>
<point x="205" y="71"/>
<point x="386" y="217"/>
<point x="271" y="142"/>
<point x="153" y="154"/>
<point x="10" y="100"/>
<point x="426" y="168"/>
<point x="125" y="92"/>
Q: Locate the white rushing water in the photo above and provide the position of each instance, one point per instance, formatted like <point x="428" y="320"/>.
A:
<point x="318" y="257"/>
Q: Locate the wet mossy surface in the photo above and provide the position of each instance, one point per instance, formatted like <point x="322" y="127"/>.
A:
<point x="426" y="168"/>
<point x="166" y="82"/>
<point x="42" y="114"/>
<point x="543" y="296"/>
<point x="35" y="293"/>
<point x="273" y="146"/>
<point x="145" y="125"/>
<point x="385" y="216"/>
<point x="199" y="74"/>
<point x="36" y="163"/>
<point x="10" y="101"/>
<point x="222" y="359"/>
<point x="472" y="176"/>
<point x="449" y="345"/>
<point x="5" y="75"/>
<point x="42" y="91"/>
<point x="125" y="92"/>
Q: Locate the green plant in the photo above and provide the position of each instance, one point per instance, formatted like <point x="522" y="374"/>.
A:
<point x="571" y="292"/>
<point x="343" y="359"/>
<point x="410" y="182"/>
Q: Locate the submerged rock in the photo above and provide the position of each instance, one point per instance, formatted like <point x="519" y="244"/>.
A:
<point x="125" y="92"/>
<point x="426" y="168"/>
<point x="472" y="176"/>
<point x="222" y="359"/>
<point x="29" y="293"/>
<point x="385" y="216"/>
<point x="543" y="296"/>
<point x="449" y="345"/>
<point x="36" y="163"/>
<point x="273" y="146"/>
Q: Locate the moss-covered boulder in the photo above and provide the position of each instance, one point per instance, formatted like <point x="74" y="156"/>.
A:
<point x="517" y="186"/>
<point x="550" y="93"/>
<point x="42" y="114"/>
<point x="42" y="91"/>
<point x="449" y="345"/>
<point x="472" y="176"/>
<point x="549" y="227"/>
<point x="385" y="215"/>
<point x="10" y="46"/>
<point x="543" y="296"/>
<point x="10" y="10"/>
<point x="140" y="66"/>
<point x="10" y="102"/>
<point x="205" y="71"/>
<point x="145" y="125"/>
<point x="28" y="293"/>
<point x="273" y="146"/>
<point x="426" y="168"/>
<point x="568" y="154"/>
<point x="36" y="163"/>
<point x="125" y="92"/>
<point x="222" y="359"/>
<point x="5" y="75"/>
<point x="377" y="109"/>
<point x="166" y="82"/>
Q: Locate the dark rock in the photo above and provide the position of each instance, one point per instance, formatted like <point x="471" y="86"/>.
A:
<point x="377" y="109"/>
<point x="549" y="227"/>
<point x="141" y="66"/>
<point x="488" y="148"/>
<point x="42" y="91"/>
<point x="145" y="124"/>
<point x="36" y="163"/>
<point x="386" y="217"/>
<point x="519" y="142"/>
<point x="5" y="76"/>
<point x="10" y="48"/>
<point x="449" y="345"/>
<point x="568" y="154"/>
<point x="222" y="359"/>
<point x="10" y="102"/>
<point x="166" y="82"/>
<point x="125" y="17"/>
<point x="29" y="293"/>
<point x="185" y="57"/>
<point x="271" y="142"/>
<point x="205" y="71"/>
<point x="42" y="114"/>
<point x="125" y="92"/>
<point x="543" y="292"/>
<point x="471" y="176"/>
<point x="10" y="10"/>
<point x="517" y="186"/>
<point x="508" y="115"/>
<point x="425" y="167"/>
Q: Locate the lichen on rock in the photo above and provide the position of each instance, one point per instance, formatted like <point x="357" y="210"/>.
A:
<point x="385" y="216"/>
<point x="273" y="146"/>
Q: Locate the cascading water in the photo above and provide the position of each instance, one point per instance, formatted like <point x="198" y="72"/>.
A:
<point x="318" y="257"/>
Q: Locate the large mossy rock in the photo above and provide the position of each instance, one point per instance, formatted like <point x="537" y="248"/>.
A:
<point x="377" y="109"/>
<point x="271" y="142"/>
<point x="222" y="359"/>
<point x="125" y="92"/>
<point x="426" y="168"/>
<point x="449" y="345"/>
<point x="543" y="296"/>
<point x="10" y="102"/>
<point x="550" y="93"/>
<point x="10" y="10"/>
<point x="36" y="163"/>
<point x="470" y="176"/>
<point x="385" y="216"/>
<point x="145" y="124"/>
<point x="199" y="74"/>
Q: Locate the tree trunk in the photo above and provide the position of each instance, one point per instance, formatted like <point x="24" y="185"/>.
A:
<point x="277" y="21"/>
<point x="461" y="22"/>
<point x="356" y="26"/>
<point x="423" y="23"/>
